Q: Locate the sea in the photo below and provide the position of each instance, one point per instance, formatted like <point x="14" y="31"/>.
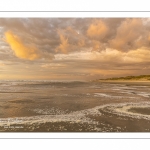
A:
<point x="74" y="106"/>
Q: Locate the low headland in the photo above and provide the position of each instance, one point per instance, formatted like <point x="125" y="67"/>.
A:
<point x="133" y="79"/>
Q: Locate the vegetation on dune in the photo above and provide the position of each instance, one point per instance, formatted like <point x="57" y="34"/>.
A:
<point x="141" y="77"/>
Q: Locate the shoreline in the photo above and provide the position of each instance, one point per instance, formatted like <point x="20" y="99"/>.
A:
<point x="139" y="82"/>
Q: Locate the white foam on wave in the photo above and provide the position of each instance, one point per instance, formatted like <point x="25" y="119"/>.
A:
<point x="123" y="88"/>
<point x="143" y="86"/>
<point x="101" y="95"/>
<point x="81" y="116"/>
<point x="77" y="116"/>
<point x="126" y="108"/>
<point x="127" y="92"/>
<point x="110" y="96"/>
<point x="144" y="94"/>
<point x="122" y="109"/>
<point x="49" y="111"/>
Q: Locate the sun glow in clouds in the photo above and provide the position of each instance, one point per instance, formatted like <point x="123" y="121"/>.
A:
<point x="69" y="47"/>
<point x="21" y="50"/>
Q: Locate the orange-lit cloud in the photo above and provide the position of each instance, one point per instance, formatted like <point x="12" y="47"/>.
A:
<point x="129" y="35"/>
<point x="21" y="50"/>
<point x="64" y="46"/>
<point x="97" y="30"/>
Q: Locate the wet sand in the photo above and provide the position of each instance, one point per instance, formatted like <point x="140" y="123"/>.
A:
<point x="145" y="111"/>
<point x="104" y="123"/>
<point x="128" y="82"/>
<point x="79" y="107"/>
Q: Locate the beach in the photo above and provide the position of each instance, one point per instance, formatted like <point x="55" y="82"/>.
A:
<point x="75" y="106"/>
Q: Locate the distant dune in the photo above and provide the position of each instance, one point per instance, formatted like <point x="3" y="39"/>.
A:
<point x="128" y="78"/>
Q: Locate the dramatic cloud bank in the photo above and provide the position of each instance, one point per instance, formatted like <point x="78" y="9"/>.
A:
<point x="69" y="48"/>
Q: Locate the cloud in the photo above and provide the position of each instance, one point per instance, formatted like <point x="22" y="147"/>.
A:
<point x="46" y="65"/>
<point x="96" y="45"/>
<point x="66" y="35"/>
<point x="2" y="64"/>
<point x="72" y="31"/>
<point x="21" y="50"/>
<point x="83" y="45"/>
<point x="109" y="56"/>
<point x="64" y="46"/>
<point x="97" y="30"/>
<point x="139" y="55"/>
<point x="129" y="35"/>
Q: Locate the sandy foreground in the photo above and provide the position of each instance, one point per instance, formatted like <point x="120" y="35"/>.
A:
<point x="116" y="106"/>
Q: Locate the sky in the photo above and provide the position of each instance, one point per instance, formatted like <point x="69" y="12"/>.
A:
<point x="73" y="48"/>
